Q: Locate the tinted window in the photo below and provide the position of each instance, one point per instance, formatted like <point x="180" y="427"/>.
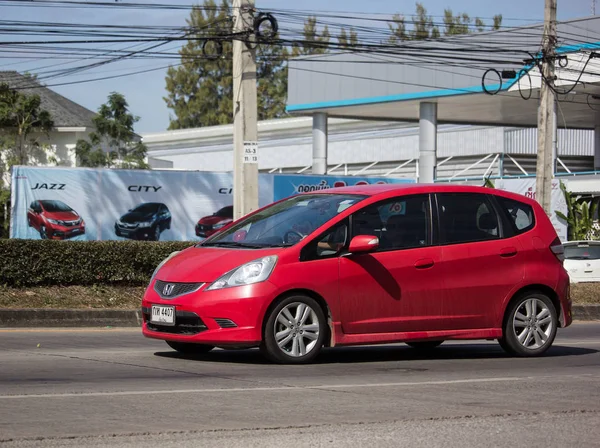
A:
<point x="146" y="208"/>
<point x="328" y="244"/>
<point x="520" y="215"/>
<point x="55" y="206"/>
<point x="225" y="212"/>
<point x="467" y="217"/>
<point x="582" y="252"/>
<point x="400" y="223"/>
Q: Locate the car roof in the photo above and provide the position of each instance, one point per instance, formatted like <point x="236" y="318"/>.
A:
<point x="389" y="190"/>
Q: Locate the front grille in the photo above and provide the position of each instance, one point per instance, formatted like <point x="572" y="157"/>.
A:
<point x="170" y="290"/>
<point x="71" y="223"/>
<point x="204" y="227"/>
<point x="225" y="323"/>
<point x="186" y="323"/>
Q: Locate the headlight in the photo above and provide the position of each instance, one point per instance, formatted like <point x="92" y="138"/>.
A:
<point x="220" y="225"/>
<point x="54" y="221"/>
<point x="162" y="264"/>
<point x="254" y="272"/>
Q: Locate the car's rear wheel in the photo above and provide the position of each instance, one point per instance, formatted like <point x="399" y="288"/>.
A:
<point x="295" y="331"/>
<point x="530" y="325"/>
<point x="424" y="345"/>
<point x="188" y="348"/>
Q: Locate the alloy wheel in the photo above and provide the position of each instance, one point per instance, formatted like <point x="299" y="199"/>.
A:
<point x="296" y="329"/>
<point x="532" y="323"/>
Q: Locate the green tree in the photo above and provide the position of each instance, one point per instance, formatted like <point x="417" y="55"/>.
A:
<point x="113" y="144"/>
<point x="579" y="217"/>
<point x="22" y="122"/>
<point x="313" y="40"/>
<point x="348" y="39"/>
<point x="422" y="26"/>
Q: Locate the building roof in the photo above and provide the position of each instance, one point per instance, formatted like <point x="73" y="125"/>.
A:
<point x="457" y="73"/>
<point x="65" y="112"/>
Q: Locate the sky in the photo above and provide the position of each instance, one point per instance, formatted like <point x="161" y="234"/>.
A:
<point x="145" y="92"/>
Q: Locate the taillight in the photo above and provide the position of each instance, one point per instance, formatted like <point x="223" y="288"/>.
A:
<point x="558" y="249"/>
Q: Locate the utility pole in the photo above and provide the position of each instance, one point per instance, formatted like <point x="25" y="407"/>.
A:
<point x="544" y="169"/>
<point x="593" y="7"/>
<point x="245" y="134"/>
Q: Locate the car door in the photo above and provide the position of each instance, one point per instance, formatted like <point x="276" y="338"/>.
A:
<point x="481" y="266"/>
<point x="399" y="287"/>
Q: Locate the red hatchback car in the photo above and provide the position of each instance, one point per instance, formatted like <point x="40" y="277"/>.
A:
<point x="55" y="220"/>
<point x="376" y="264"/>
<point x="211" y="224"/>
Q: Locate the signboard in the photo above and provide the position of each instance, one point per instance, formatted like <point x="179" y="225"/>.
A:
<point x="290" y="185"/>
<point x="250" y="152"/>
<point x="527" y="188"/>
<point x="103" y="204"/>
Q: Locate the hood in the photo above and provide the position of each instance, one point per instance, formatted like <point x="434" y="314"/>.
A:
<point x="208" y="264"/>
<point x="62" y="216"/>
<point x="133" y="217"/>
<point x="212" y="220"/>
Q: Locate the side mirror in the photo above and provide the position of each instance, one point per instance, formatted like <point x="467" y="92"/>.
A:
<point x="362" y="244"/>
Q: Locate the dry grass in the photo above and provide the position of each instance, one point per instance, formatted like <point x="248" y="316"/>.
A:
<point x="130" y="297"/>
<point x="585" y="293"/>
<point x="73" y="297"/>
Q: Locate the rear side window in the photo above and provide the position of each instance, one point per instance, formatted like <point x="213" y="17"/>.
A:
<point x="467" y="217"/>
<point x="519" y="215"/>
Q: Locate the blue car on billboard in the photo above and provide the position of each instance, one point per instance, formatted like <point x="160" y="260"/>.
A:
<point x="144" y="222"/>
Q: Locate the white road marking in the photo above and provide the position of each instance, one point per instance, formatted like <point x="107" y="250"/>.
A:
<point x="293" y="388"/>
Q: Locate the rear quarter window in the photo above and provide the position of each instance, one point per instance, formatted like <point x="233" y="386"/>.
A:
<point x="519" y="214"/>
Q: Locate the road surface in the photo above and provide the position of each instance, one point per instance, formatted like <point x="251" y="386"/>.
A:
<point x="108" y="387"/>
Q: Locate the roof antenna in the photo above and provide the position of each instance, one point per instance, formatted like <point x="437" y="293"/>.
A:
<point x="488" y="183"/>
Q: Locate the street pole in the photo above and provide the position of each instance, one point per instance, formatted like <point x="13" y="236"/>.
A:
<point x="544" y="167"/>
<point x="245" y="134"/>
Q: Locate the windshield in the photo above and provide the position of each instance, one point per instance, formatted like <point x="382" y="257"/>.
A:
<point x="225" y="212"/>
<point x="284" y="223"/>
<point x="583" y="252"/>
<point x="55" y="206"/>
<point x="146" y="208"/>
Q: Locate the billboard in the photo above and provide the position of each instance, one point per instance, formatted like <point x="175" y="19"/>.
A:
<point x="289" y="185"/>
<point x="103" y="204"/>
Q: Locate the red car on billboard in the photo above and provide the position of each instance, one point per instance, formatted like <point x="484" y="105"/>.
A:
<point x="54" y="220"/>
<point x="211" y="224"/>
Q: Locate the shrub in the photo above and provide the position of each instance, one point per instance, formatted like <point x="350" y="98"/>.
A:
<point x="45" y="262"/>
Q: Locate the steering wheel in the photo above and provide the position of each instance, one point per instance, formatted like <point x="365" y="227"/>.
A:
<point x="292" y="232"/>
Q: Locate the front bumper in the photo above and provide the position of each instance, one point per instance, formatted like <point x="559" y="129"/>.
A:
<point x="230" y="317"/>
<point x="57" y="232"/>
<point x="138" y="233"/>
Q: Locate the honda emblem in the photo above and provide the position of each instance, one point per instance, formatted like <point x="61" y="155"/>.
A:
<point x="168" y="289"/>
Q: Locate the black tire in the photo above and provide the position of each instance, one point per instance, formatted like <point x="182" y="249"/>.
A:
<point x="156" y="233"/>
<point x="43" y="233"/>
<point x="509" y="341"/>
<point x="269" y="346"/>
<point x="424" y="346"/>
<point x="188" y="348"/>
<point x="169" y="224"/>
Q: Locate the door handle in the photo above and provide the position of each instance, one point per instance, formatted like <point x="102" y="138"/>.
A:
<point x="508" y="251"/>
<point x="424" y="263"/>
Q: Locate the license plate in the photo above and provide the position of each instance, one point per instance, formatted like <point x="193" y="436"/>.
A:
<point x="163" y="315"/>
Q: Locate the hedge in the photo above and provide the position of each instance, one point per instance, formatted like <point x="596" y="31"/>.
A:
<point x="45" y="262"/>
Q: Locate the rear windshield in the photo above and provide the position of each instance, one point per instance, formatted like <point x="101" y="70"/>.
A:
<point x="582" y="252"/>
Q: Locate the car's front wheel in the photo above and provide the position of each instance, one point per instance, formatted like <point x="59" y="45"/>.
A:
<point x="295" y="330"/>
<point x="530" y="325"/>
<point x="188" y="348"/>
<point x="43" y="233"/>
<point x="156" y="233"/>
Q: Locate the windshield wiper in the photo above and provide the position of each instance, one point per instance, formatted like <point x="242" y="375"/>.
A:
<point x="232" y="244"/>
